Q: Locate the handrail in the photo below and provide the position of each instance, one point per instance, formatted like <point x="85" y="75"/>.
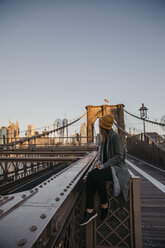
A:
<point x="158" y="145"/>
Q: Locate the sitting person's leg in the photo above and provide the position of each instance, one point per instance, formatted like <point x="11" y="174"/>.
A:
<point x="96" y="181"/>
<point x="99" y="179"/>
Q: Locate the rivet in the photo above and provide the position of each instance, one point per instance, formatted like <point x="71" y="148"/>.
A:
<point x="43" y="216"/>
<point x="57" y="199"/>
<point x="45" y="183"/>
<point x="36" y="189"/>
<point x="5" y="197"/>
<point x="44" y="244"/>
<point x="1" y="201"/>
<point x="23" y="196"/>
<point x="40" y="240"/>
<point x="65" y="190"/>
<point x="33" y="228"/>
<point x="1" y="211"/>
<point x="51" y="179"/>
<point x="31" y="191"/>
<point x="61" y="193"/>
<point x="48" y="181"/>
<point x="68" y="187"/>
<point x="70" y="184"/>
<point x="21" y="242"/>
<point x="54" y="176"/>
<point x="41" y="186"/>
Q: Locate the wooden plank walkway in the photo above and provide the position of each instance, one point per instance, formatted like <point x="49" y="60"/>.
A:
<point x="152" y="205"/>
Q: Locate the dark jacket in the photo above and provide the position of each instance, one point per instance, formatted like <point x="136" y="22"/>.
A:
<point x="115" y="152"/>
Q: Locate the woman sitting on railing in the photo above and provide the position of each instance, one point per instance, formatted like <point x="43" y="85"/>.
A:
<point x="110" y="166"/>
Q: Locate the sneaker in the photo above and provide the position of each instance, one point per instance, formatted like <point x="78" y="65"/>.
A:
<point x="104" y="212"/>
<point x="88" y="217"/>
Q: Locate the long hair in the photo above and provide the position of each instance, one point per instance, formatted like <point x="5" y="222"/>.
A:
<point x="103" y="134"/>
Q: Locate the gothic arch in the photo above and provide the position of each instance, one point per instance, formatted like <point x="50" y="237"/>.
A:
<point x="93" y="112"/>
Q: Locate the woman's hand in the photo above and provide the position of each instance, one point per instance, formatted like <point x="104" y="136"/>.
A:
<point x="98" y="166"/>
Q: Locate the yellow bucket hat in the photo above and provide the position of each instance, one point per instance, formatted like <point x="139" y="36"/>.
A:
<point x="106" y="121"/>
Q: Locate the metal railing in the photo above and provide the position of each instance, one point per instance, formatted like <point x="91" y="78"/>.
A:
<point x="16" y="164"/>
<point x="123" y="226"/>
<point x="46" y="141"/>
<point x="147" y="149"/>
<point x="50" y="214"/>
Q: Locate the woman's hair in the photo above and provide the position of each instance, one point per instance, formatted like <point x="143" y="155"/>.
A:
<point x="103" y="134"/>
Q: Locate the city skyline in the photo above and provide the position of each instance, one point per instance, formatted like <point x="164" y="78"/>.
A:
<point x="57" y="57"/>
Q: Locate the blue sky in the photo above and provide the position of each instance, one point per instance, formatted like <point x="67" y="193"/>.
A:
<point x="57" y="56"/>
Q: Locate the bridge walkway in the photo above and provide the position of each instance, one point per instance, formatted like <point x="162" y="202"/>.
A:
<point x="152" y="184"/>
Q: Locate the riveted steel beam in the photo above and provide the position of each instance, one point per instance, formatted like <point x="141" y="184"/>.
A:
<point x="37" y="159"/>
<point x="30" y="219"/>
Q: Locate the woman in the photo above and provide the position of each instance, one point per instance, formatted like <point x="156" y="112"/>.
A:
<point x="110" y="166"/>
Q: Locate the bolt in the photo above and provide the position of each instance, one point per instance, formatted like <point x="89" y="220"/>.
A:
<point x="44" y="244"/>
<point x="21" y="242"/>
<point x="43" y="216"/>
<point x="5" y="197"/>
<point x="33" y="228"/>
<point x="57" y="199"/>
<point x="40" y="240"/>
<point x="23" y="196"/>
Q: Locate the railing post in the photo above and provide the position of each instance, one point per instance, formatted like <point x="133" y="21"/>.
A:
<point x="137" y="212"/>
<point x="90" y="234"/>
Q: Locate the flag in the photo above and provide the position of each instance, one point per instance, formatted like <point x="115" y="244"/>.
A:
<point x="105" y="100"/>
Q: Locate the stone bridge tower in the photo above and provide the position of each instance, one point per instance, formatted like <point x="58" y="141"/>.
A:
<point x="97" y="111"/>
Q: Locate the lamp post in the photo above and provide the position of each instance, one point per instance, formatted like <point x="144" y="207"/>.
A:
<point x="143" y="114"/>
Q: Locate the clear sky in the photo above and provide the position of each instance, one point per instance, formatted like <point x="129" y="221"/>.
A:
<point x="58" y="56"/>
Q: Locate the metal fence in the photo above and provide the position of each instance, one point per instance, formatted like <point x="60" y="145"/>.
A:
<point x="146" y="148"/>
<point x="122" y="228"/>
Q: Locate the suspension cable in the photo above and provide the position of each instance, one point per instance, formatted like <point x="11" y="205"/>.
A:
<point x="45" y="133"/>
<point x="153" y="122"/>
<point x="121" y="129"/>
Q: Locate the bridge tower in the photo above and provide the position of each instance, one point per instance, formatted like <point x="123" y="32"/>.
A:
<point x="93" y="112"/>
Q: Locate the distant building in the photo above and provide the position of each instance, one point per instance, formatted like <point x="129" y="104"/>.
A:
<point x="30" y="133"/>
<point x="13" y="131"/>
<point x="59" y="133"/>
<point x="83" y="133"/>
<point x="65" y="131"/>
<point x="3" y="135"/>
<point x="30" y="130"/>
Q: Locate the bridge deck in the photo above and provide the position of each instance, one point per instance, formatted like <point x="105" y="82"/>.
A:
<point x="152" y="203"/>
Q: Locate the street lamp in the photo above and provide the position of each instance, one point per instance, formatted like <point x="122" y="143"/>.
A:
<point x="143" y="114"/>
